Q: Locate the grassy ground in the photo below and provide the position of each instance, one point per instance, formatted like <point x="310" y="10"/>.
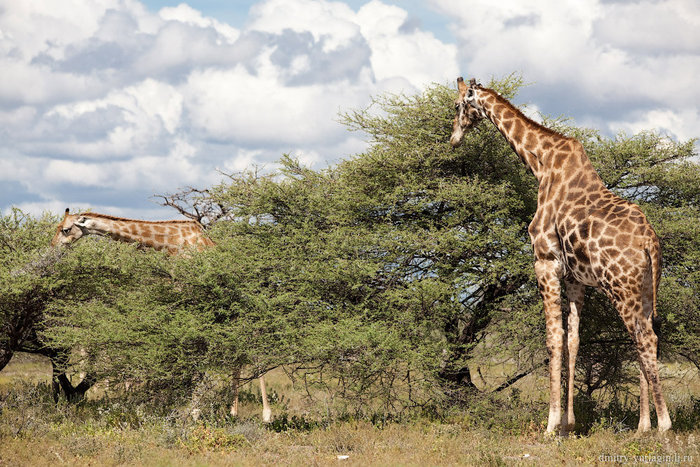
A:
<point x="352" y="443"/>
<point x="35" y="431"/>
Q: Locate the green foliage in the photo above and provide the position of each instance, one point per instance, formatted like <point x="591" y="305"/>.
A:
<point x="26" y="265"/>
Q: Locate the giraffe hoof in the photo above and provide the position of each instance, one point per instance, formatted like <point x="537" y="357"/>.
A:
<point x="267" y="416"/>
<point x="664" y="426"/>
<point x="643" y="427"/>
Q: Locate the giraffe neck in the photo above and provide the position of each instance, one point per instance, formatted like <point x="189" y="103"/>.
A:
<point x="125" y="231"/>
<point x="163" y="235"/>
<point x="530" y="140"/>
<point x="562" y="167"/>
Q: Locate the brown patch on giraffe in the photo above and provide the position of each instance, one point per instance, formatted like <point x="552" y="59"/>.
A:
<point x="584" y="158"/>
<point x="582" y="180"/>
<point x="584" y="230"/>
<point x="518" y="131"/>
<point x="581" y="254"/>
<point x="597" y="227"/>
<point x="498" y="110"/>
<point x="559" y="159"/>
<point x="612" y="252"/>
<point x="579" y="215"/>
<point x="606" y="241"/>
<point x="623" y="240"/>
<point x="555" y="179"/>
<point x="531" y="139"/>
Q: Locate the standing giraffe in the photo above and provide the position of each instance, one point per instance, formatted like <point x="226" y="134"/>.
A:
<point x="173" y="236"/>
<point x="582" y="233"/>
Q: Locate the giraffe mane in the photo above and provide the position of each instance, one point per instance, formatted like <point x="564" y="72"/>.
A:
<point x="116" y="218"/>
<point x="519" y="113"/>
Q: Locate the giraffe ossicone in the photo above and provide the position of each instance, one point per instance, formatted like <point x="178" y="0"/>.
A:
<point x="583" y="234"/>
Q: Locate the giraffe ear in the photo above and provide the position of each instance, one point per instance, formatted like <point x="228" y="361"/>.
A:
<point x="81" y="221"/>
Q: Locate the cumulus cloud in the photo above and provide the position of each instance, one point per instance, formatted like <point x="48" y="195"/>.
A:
<point x="682" y="125"/>
<point x="615" y="65"/>
<point x="104" y="102"/>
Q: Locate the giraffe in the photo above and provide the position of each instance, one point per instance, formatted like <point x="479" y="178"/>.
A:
<point x="173" y="236"/>
<point x="581" y="233"/>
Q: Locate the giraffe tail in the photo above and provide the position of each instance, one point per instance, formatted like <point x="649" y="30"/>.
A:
<point x="653" y="251"/>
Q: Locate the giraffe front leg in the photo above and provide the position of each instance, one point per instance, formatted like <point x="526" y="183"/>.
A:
<point x="235" y="381"/>
<point x="574" y="293"/>
<point x="267" y="412"/>
<point x="548" y="273"/>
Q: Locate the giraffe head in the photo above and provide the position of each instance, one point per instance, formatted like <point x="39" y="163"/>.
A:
<point x="70" y="229"/>
<point x="468" y="112"/>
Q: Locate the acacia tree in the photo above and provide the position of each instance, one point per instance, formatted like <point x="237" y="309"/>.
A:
<point x="387" y="277"/>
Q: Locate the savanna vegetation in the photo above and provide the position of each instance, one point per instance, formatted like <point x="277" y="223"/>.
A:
<point x="390" y="298"/>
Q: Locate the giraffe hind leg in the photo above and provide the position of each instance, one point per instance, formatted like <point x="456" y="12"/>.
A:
<point x="646" y="346"/>
<point x="637" y="316"/>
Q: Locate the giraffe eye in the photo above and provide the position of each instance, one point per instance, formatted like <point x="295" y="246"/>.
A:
<point x="66" y="231"/>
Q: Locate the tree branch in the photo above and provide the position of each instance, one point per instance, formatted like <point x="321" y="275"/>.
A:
<point x="514" y="379"/>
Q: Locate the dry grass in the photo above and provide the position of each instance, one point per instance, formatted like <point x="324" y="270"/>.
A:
<point x="363" y="444"/>
<point x="26" y="367"/>
<point x="36" y="434"/>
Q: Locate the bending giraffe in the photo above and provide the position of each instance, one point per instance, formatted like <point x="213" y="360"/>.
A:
<point x="581" y="233"/>
<point x="173" y="236"/>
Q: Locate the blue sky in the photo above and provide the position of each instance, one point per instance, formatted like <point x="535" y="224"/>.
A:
<point x="104" y="103"/>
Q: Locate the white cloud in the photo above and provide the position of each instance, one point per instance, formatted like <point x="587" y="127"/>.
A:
<point x="256" y="109"/>
<point x="156" y="172"/>
<point x="416" y="56"/>
<point x="330" y="22"/>
<point x="599" y="61"/>
<point x="144" y="115"/>
<point x="651" y="27"/>
<point x="682" y="125"/>
<point x="103" y="101"/>
<point x="188" y="15"/>
<point x="54" y="25"/>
